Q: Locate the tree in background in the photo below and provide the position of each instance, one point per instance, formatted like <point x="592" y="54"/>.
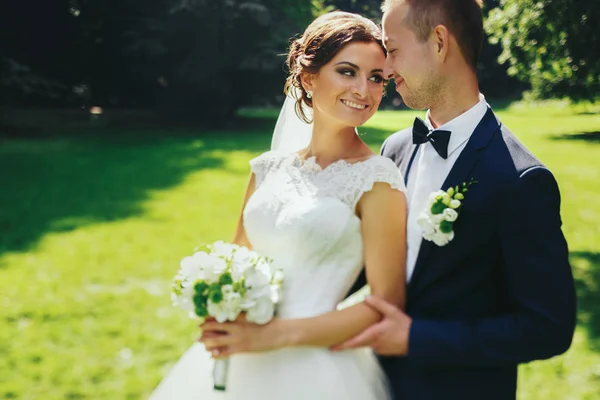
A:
<point x="368" y="8"/>
<point x="552" y="44"/>
<point x="494" y="80"/>
<point x="233" y="50"/>
<point x="206" y="58"/>
<point x="196" y="58"/>
<point x="30" y="48"/>
<point x="200" y="57"/>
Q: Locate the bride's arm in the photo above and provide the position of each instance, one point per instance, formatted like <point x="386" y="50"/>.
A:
<point x="239" y="236"/>
<point x="383" y="222"/>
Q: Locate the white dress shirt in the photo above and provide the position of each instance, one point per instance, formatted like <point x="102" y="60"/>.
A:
<point x="429" y="171"/>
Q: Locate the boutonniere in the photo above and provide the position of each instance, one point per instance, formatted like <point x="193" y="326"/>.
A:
<point x="443" y="208"/>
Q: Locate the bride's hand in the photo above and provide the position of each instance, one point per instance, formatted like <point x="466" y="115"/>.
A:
<point x="241" y="336"/>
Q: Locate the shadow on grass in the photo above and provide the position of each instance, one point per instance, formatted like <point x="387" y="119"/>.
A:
<point x="585" y="136"/>
<point x="63" y="181"/>
<point x="586" y="270"/>
<point x="56" y="180"/>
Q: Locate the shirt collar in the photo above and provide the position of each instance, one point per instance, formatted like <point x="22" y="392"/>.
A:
<point x="462" y="126"/>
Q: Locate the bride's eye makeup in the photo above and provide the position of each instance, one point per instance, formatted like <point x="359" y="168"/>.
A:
<point x="377" y="78"/>
<point x="347" y="68"/>
<point x="347" y="71"/>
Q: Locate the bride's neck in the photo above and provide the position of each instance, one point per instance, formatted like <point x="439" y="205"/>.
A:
<point x="330" y="143"/>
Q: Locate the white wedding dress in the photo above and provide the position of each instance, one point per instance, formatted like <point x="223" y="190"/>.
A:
<point x="303" y="217"/>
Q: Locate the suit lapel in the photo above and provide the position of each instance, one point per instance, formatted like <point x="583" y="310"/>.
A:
<point x="461" y="172"/>
<point x="402" y="157"/>
<point x="407" y="161"/>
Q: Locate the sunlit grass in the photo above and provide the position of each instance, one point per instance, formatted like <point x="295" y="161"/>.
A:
<point x="92" y="228"/>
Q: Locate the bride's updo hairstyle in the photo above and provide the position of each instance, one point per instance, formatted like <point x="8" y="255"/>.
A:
<point x="322" y="40"/>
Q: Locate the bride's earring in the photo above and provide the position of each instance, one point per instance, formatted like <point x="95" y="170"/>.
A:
<point x="309" y="94"/>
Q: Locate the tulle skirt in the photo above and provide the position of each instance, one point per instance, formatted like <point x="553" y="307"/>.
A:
<point x="302" y="373"/>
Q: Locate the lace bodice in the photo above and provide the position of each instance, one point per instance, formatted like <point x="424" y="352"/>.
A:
<point x="303" y="217"/>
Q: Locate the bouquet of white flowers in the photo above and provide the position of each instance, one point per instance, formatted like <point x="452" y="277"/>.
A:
<point x="223" y="282"/>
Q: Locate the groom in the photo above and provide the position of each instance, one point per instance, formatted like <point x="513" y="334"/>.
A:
<point x="501" y="291"/>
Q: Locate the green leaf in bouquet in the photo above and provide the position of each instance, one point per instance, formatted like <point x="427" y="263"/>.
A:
<point x="202" y="312"/>
<point x="225" y="279"/>
<point x="200" y="287"/>
<point x="177" y="287"/>
<point x="277" y="278"/>
<point x="438" y="208"/>
<point x="200" y="300"/>
<point x="446" y="226"/>
<point x="216" y="296"/>
<point x="240" y="286"/>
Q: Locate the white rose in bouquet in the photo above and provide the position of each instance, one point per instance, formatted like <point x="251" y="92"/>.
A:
<point x="242" y="260"/>
<point x="221" y="248"/>
<point x="229" y="309"/>
<point x="450" y="215"/>
<point x="262" y="311"/>
<point x="426" y="224"/>
<point x="437" y="218"/>
<point x="442" y="239"/>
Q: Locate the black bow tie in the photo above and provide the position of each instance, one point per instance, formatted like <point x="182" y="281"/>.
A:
<point x="438" y="138"/>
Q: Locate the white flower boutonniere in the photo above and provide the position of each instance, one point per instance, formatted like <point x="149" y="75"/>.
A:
<point x="443" y="208"/>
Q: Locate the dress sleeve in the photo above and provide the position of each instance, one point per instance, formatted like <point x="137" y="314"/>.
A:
<point x="381" y="169"/>
<point x="262" y="164"/>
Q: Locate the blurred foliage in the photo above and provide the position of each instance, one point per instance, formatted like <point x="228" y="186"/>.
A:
<point x="494" y="79"/>
<point x="552" y="44"/>
<point x="368" y="8"/>
<point x="18" y="80"/>
<point x="193" y="57"/>
<point x="199" y="57"/>
<point x="203" y="59"/>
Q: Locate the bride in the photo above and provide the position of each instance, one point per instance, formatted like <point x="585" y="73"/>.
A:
<point x="321" y="213"/>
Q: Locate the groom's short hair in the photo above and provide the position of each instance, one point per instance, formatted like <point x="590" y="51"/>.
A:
<point x="463" y="18"/>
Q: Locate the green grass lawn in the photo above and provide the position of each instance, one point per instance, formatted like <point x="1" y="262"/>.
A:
<point x="93" y="225"/>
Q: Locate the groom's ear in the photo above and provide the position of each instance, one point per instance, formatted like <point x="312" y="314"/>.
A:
<point x="440" y="41"/>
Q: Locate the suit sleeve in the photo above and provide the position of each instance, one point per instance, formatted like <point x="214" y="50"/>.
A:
<point x="540" y="279"/>
<point x="382" y="149"/>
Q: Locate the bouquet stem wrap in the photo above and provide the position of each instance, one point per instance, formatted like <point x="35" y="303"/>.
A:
<point x="220" y="371"/>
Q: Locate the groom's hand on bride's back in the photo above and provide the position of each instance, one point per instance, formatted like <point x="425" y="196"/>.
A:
<point x="389" y="336"/>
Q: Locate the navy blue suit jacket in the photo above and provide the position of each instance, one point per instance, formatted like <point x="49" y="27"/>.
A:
<point x="501" y="293"/>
